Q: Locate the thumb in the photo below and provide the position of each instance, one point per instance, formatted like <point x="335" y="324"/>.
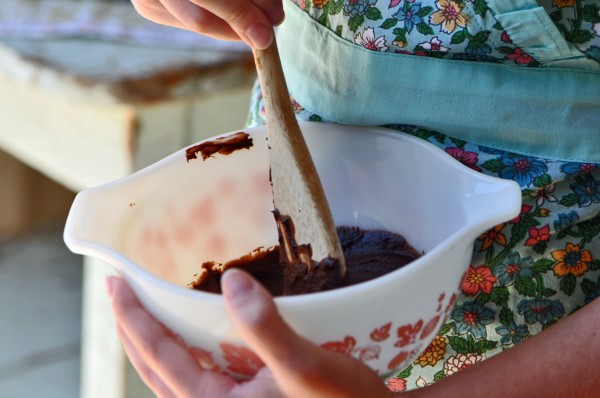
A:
<point x="300" y="367"/>
<point x="257" y="319"/>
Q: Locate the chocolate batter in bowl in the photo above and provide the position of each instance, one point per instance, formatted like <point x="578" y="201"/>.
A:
<point x="158" y="226"/>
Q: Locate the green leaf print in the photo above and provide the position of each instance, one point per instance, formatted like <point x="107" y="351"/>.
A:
<point x="481" y="37"/>
<point x="525" y="286"/>
<point x="459" y="344"/>
<point x="594" y="265"/>
<point x="589" y="229"/>
<point x="588" y="286"/>
<point x="424" y="29"/>
<point x="482" y="298"/>
<point x="458" y="37"/>
<point x="590" y="13"/>
<point x="493" y="165"/>
<point x="548" y="292"/>
<point x="458" y="142"/>
<point x="505" y="50"/>
<point x="543" y="265"/>
<point x="446" y="328"/>
<point x="557" y="15"/>
<point x="564" y="31"/>
<point x="338" y="30"/>
<point x="405" y="373"/>
<point x="425" y="11"/>
<point x="506" y="316"/>
<point x="581" y="36"/>
<point x="483" y="346"/>
<point x="373" y="14"/>
<point x="568" y="200"/>
<point x="389" y="23"/>
<point x="439" y="375"/>
<point x="519" y="231"/>
<point x="567" y="284"/>
<point x="469" y="346"/>
<point x="481" y="7"/>
<point x="540" y="247"/>
<point x="542" y="181"/>
<point x="324" y="20"/>
<point x="355" y="22"/>
<point x="500" y="295"/>
<point x="334" y="7"/>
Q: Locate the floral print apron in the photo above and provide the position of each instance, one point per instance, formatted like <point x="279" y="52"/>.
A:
<point x="527" y="273"/>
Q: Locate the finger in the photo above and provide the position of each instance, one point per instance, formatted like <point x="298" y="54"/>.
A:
<point x="250" y="23"/>
<point x="292" y="359"/>
<point x="158" y="348"/>
<point x="273" y="9"/>
<point x="195" y="18"/>
<point x="300" y="367"/>
<point x="154" y="11"/>
<point x="147" y="375"/>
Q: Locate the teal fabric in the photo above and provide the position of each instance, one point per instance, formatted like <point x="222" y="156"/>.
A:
<point x="545" y="112"/>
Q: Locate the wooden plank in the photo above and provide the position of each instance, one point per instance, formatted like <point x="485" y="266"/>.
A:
<point x="28" y="199"/>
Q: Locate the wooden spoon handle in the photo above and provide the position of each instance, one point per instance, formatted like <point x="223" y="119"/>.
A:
<point x="297" y="189"/>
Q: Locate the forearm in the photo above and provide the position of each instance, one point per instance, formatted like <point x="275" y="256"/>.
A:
<point x="561" y="361"/>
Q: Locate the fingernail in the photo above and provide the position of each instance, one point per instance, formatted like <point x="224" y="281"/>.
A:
<point x="260" y="36"/>
<point x="236" y="286"/>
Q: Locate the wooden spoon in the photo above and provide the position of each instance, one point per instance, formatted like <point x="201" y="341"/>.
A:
<point x="297" y="189"/>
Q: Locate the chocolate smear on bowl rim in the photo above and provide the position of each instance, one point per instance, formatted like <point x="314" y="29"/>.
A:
<point x="223" y="145"/>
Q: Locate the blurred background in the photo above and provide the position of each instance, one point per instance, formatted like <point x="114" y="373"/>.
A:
<point x="89" y="92"/>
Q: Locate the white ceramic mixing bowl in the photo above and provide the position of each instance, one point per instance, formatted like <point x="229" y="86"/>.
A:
<point x="158" y="225"/>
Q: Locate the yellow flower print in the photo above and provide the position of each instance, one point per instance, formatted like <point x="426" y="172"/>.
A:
<point x="563" y="3"/>
<point x="434" y="352"/>
<point x="572" y="260"/>
<point x="449" y="15"/>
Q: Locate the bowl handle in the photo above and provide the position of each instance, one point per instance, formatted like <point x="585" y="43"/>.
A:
<point x="94" y="223"/>
<point x="493" y="202"/>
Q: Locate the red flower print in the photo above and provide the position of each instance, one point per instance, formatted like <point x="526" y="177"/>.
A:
<point x="492" y="236"/>
<point x="478" y="279"/>
<point x="241" y="360"/>
<point x="398" y="359"/>
<point x="368" y="353"/>
<point x="430" y="326"/>
<point x="538" y="235"/>
<point x="396" y="385"/>
<point x="505" y="38"/>
<point x="381" y="334"/>
<point x="440" y="301"/>
<point x="520" y="57"/>
<point x="469" y="159"/>
<point x="451" y="303"/>
<point x="343" y="347"/>
<point x="525" y="208"/>
<point x="205" y="359"/>
<point x="408" y="333"/>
